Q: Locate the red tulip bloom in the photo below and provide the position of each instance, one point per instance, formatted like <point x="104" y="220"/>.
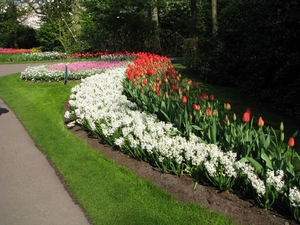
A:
<point x="196" y="85"/>
<point x="248" y="110"/>
<point x="291" y="142"/>
<point x="211" y="97"/>
<point x="196" y="107"/>
<point x="175" y="88"/>
<point x="227" y="106"/>
<point x="246" y="117"/>
<point x="261" y="122"/>
<point x="144" y="81"/>
<point x="204" y="95"/>
<point x="207" y="111"/>
<point x="184" y="99"/>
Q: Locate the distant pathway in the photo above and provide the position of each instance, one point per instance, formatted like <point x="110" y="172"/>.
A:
<point x="6" y="69"/>
<point x="30" y="191"/>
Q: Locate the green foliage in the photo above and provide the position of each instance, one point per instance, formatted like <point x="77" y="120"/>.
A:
<point x="174" y="25"/>
<point x="118" y="29"/>
<point x="11" y="28"/>
<point x="256" y="49"/>
<point x="47" y="38"/>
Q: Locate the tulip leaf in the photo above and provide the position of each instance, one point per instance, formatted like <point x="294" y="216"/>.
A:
<point x="265" y="157"/>
<point x="254" y="163"/>
<point x="267" y="142"/>
<point x="196" y="127"/>
<point x="167" y="118"/>
<point x="295" y="134"/>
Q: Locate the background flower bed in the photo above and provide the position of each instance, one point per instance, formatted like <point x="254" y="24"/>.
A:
<point x="35" y="54"/>
<point x="56" y="72"/>
<point x="164" y="146"/>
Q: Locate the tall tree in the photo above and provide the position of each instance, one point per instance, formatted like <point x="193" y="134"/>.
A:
<point x="214" y="16"/>
<point x="194" y="17"/>
<point x="156" y="38"/>
<point x="62" y="20"/>
<point x="12" y="15"/>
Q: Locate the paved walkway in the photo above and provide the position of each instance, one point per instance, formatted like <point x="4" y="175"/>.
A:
<point x="30" y="191"/>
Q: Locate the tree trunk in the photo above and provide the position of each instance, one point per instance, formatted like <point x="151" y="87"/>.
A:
<point x="214" y="16"/>
<point x="156" y="39"/>
<point x="193" y="28"/>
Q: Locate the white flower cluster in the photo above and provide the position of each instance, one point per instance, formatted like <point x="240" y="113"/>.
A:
<point x="225" y="161"/>
<point x="38" y="56"/>
<point x="248" y="171"/>
<point x="275" y="178"/>
<point x="34" y="73"/>
<point x="294" y="196"/>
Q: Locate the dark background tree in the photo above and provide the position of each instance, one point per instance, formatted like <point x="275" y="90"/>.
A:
<point x="13" y="33"/>
<point x="251" y="44"/>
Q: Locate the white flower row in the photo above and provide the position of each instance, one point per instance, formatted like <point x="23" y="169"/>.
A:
<point x="44" y="55"/>
<point x="42" y="72"/>
<point x="294" y="196"/>
<point x="99" y="101"/>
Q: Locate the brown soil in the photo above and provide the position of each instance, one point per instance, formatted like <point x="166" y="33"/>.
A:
<point x="227" y="203"/>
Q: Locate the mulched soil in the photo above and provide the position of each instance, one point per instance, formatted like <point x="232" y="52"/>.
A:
<point x="182" y="188"/>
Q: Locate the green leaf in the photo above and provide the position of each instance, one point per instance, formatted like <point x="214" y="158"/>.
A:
<point x="265" y="157"/>
<point x="295" y="134"/>
<point x="267" y="142"/>
<point x="257" y="166"/>
<point x="165" y="115"/>
<point x="195" y="127"/>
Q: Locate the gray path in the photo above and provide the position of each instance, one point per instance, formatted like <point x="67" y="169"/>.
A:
<point x="30" y="191"/>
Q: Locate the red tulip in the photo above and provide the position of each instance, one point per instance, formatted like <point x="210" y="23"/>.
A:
<point x="144" y="81"/>
<point x="207" y="111"/>
<point x="196" y="107"/>
<point x="211" y="97"/>
<point x="246" y="117"/>
<point x="227" y="106"/>
<point x="261" y="122"/>
<point x="184" y="99"/>
<point x="291" y="142"/>
<point x="248" y="110"/>
<point x="204" y="95"/>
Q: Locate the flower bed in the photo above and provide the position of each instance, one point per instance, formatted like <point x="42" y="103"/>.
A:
<point x="14" y="51"/>
<point x="99" y="104"/>
<point x="56" y="72"/>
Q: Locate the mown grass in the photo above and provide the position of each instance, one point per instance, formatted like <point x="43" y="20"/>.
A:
<point x="108" y="193"/>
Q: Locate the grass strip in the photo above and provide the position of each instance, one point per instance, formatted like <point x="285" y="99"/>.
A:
<point x="108" y="193"/>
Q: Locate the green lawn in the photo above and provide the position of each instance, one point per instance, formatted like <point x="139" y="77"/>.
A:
<point x="108" y="193"/>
